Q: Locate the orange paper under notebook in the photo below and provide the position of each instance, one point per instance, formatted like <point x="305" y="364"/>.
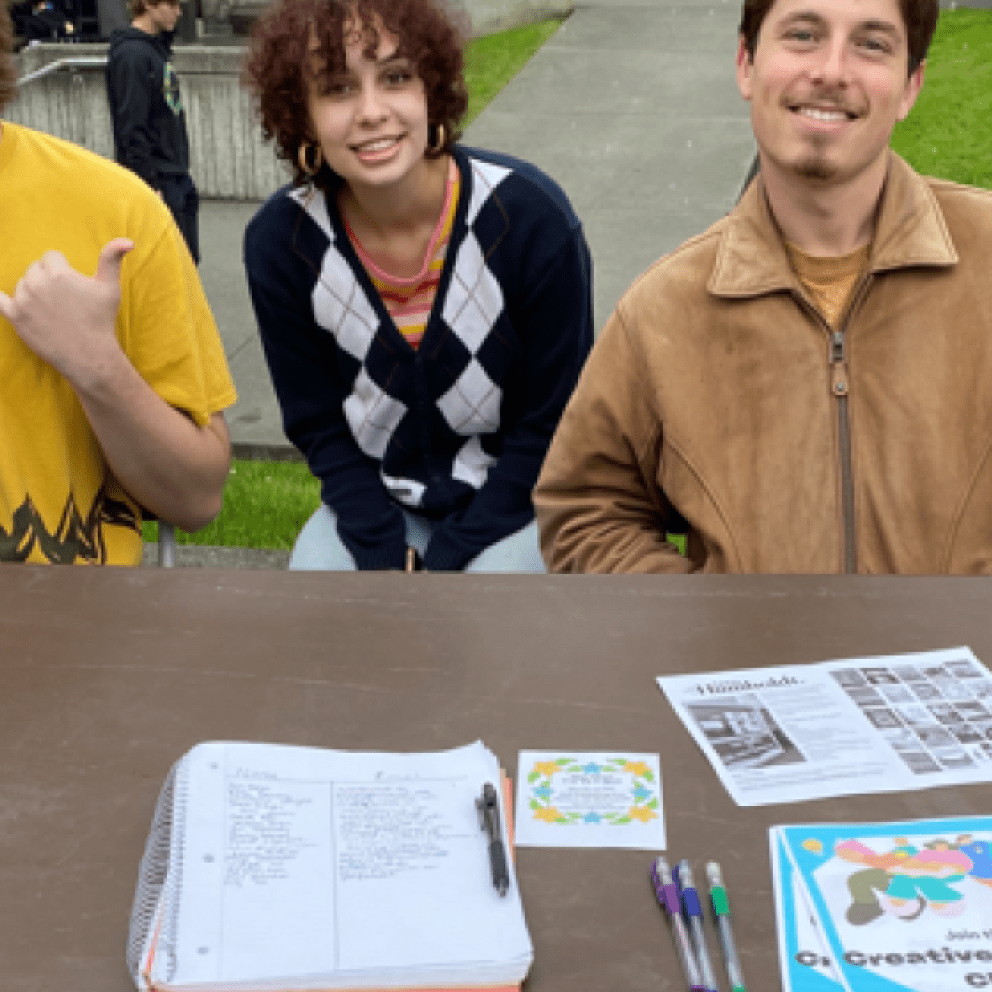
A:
<point x="275" y="867"/>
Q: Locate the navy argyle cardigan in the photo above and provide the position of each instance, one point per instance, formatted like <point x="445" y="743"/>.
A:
<point x="457" y="429"/>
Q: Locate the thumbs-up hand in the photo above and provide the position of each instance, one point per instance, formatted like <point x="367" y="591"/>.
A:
<point x="66" y="318"/>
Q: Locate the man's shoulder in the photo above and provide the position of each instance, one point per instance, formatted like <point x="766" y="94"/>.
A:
<point x="60" y="195"/>
<point x="130" y="44"/>
<point x="53" y="164"/>
<point x="949" y="188"/>
<point x="972" y="203"/>
<point x="682" y="273"/>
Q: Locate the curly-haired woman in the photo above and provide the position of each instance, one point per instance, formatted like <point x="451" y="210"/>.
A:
<point x="425" y="308"/>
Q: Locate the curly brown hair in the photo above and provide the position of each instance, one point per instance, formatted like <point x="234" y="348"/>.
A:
<point x="8" y="71"/>
<point x="919" y="17"/>
<point x="281" y="65"/>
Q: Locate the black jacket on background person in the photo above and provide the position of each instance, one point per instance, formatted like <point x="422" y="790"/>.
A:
<point x="147" y="111"/>
<point x="150" y="135"/>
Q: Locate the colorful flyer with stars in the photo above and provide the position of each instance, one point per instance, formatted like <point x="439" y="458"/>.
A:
<point x="589" y="799"/>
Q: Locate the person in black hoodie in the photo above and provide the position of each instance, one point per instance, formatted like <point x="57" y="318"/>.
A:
<point x="150" y="135"/>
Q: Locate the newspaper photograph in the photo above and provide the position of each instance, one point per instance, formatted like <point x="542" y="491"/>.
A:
<point x="834" y="728"/>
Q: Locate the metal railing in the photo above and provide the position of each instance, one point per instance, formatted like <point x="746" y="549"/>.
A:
<point x="69" y="65"/>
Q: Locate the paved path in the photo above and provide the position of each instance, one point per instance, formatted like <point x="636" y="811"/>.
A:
<point x="631" y="106"/>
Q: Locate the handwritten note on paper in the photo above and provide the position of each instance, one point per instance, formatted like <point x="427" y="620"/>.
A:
<point x="264" y="839"/>
<point x="384" y="830"/>
<point x="353" y="866"/>
<point x="589" y="799"/>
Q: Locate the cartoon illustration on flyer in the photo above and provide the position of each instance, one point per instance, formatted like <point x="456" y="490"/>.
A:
<point x="902" y="905"/>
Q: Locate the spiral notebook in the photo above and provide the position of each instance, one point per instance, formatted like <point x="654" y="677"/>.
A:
<point x="275" y="867"/>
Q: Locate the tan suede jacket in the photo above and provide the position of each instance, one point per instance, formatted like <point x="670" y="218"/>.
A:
<point x="717" y="397"/>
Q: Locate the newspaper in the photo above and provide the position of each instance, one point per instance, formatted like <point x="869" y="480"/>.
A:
<point x="798" y="732"/>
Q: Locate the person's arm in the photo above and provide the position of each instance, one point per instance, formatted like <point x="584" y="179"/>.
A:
<point x="131" y="106"/>
<point x="167" y="462"/>
<point x="303" y="364"/>
<point x="554" y="322"/>
<point x="597" y="501"/>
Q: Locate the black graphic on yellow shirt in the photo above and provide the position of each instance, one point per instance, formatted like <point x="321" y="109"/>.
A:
<point x="73" y="538"/>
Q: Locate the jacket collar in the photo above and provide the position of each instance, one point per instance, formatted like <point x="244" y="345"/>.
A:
<point x="911" y="231"/>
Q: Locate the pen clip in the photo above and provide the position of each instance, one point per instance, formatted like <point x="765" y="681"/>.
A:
<point x="488" y="809"/>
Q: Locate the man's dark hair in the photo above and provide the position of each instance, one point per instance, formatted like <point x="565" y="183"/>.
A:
<point x="137" y="7"/>
<point x="8" y="72"/>
<point x="919" y="16"/>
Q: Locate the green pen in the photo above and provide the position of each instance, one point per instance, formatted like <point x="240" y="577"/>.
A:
<point x="721" y="911"/>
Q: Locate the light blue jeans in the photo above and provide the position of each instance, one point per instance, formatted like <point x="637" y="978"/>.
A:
<point x="319" y="548"/>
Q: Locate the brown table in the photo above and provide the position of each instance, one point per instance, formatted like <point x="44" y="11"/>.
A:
<point x="107" y="676"/>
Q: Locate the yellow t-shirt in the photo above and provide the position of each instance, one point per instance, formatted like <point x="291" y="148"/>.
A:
<point x="58" y="500"/>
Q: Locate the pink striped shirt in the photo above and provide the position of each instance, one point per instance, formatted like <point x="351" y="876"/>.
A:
<point x="409" y="301"/>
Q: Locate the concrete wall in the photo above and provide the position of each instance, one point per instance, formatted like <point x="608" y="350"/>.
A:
<point x="485" y="16"/>
<point x="490" y="16"/>
<point x="229" y="160"/>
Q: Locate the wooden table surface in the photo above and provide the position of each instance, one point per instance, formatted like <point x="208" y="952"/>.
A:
<point x="109" y="675"/>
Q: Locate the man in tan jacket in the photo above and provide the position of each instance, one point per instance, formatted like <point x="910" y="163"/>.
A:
<point x="806" y="386"/>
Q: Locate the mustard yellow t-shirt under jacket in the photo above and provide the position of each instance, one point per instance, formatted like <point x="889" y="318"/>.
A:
<point x="58" y="500"/>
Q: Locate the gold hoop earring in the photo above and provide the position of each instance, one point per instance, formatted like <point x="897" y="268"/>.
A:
<point x="303" y="157"/>
<point x="435" y="149"/>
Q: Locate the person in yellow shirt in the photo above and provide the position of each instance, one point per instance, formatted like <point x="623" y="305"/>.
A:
<point x="113" y="374"/>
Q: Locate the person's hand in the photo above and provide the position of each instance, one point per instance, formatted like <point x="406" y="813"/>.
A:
<point x="66" y="318"/>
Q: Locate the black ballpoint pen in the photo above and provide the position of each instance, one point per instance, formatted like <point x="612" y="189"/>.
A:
<point x="488" y="806"/>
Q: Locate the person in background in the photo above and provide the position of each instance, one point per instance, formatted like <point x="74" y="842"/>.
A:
<point x="806" y="386"/>
<point x="113" y="376"/>
<point x="425" y="308"/>
<point x="43" y="20"/>
<point x="146" y="108"/>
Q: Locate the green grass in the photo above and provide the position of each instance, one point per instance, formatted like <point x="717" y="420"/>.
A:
<point x="949" y="131"/>
<point x="265" y="506"/>
<point x="490" y="63"/>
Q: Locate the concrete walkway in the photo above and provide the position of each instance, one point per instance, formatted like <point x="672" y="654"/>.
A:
<point x="631" y="106"/>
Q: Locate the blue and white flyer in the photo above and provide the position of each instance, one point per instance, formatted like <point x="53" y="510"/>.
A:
<point x="903" y="905"/>
<point x="804" y="955"/>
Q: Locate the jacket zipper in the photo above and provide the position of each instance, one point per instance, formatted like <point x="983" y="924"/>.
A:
<point x="840" y="386"/>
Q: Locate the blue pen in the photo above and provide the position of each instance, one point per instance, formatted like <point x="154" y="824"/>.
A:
<point x="668" y="896"/>
<point x="694" y="910"/>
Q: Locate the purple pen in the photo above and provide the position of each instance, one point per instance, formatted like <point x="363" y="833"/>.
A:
<point x="668" y="897"/>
